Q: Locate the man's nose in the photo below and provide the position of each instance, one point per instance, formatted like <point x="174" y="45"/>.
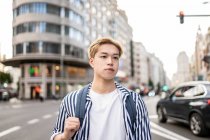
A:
<point x="110" y="60"/>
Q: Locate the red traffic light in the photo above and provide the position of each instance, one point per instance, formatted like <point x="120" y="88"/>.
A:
<point x="181" y="15"/>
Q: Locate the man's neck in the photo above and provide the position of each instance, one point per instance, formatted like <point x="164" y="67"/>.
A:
<point x="103" y="87"/>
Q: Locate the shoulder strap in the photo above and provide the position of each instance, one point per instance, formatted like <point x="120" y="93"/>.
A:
<point x="80" y="105"/>
<point x="131" y="108"/>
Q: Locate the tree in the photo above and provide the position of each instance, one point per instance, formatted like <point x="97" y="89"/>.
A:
<point x="158" y="88"/>
<point x="5" y="78"/>
<point x="151" y="85"/>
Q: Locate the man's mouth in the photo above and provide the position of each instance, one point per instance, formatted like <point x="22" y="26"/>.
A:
<point x="110" y="69"/>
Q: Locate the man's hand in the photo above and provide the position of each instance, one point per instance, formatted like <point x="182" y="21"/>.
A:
<point x="72" y="124"/>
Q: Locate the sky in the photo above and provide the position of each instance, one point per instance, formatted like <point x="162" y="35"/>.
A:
<point x="154" y="24"/>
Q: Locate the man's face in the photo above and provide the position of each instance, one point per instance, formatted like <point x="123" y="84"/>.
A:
<point x="106" y="61"/>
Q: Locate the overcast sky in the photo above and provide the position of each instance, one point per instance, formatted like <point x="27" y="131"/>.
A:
<point x="154" y="23"/>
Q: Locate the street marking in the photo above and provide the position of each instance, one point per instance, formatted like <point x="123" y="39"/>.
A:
<point x="16" y="106"/>
<point x="163" y="134"/>
<point x="33" y="121"/>
<point x="172" y="134"/>
<point x="10" y="130"/>
<point x="153" y="116"/>
<point x="47" y="116"/>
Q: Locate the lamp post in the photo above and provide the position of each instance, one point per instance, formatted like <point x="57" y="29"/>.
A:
<point x="62" y="76"/>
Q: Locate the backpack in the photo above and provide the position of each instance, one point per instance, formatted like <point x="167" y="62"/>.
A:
<point x="81" y="101"/>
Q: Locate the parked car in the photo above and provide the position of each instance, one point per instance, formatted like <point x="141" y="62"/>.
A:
<point x="4" y="95"/>
<point x="188" y="103"/>
<point x="12" y="92"/>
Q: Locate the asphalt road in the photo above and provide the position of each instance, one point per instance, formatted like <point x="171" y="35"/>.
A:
<point x="34" y="120"/>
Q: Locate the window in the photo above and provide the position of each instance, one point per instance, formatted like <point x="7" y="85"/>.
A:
<point x="66" y="30"/>
<point x="76" y="72"/>
<point x="53" y="28"/>
<point x="30" y="8"/>
<point x="32" y="47"/>
<point x="34" y="71"/>
<point x="195" y="91"/>
<point x="49" y="71"/>
<point x="51" y="48"/>
<point x="19" y="48"/>
<point x="66" y="13"/>
<point x="74" y="51"/>
<point x="57" y="71"/>
<point x="178" y="93"/>
<point x="55" y="10"/>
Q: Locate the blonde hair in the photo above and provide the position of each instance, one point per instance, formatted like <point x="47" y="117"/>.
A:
<point x="93" y="48"/>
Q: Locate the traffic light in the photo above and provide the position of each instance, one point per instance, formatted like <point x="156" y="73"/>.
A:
<point x="181" y="15"/>
<point x="165" y="88"/>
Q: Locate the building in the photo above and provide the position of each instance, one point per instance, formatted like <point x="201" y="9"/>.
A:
<point x="48" y="46"/>
<point x="200" y="72"/>
<point x="50" y="40"/>
<point x="141" y="71"/>
<point x="104" y="18"/>
<point x="156" y="71"/>
<point x="183" y="69"/>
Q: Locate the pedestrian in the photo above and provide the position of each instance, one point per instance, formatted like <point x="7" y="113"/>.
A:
<point x="106" y="116"/>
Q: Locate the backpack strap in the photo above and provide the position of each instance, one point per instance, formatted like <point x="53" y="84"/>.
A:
<point x="80" y="105"/>
<point x="131" y="108"/>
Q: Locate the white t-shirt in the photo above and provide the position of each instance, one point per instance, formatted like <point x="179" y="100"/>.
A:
<point x="106" y="116"/>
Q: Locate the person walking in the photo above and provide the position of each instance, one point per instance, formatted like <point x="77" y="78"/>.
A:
<point x="106" y="115"/>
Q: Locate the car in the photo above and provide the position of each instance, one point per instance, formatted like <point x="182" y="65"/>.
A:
<point x="4" y="95"/>
<point x="188" y="103"/>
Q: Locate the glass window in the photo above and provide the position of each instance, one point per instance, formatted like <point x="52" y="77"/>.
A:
<point x="19" y="48"/>
<point x="34" y="71"/>
<point x="42" y="27"/>
<point x="76" y="72"/>
<point x="66" y="30"/>
<point x="51" y="48"/>
<point x="196" y="91"/>
<point x="66" y="13"/>
<point x="53" y="28"/>
<point x="49" y="71"/>
<point x="57" y="71"/>
<point x="178" y="93"/>
<point x="52" y="9"/>
<point x="32" y="27"/>
<point x="32" y="47"/>
<point x="74" y="51"/>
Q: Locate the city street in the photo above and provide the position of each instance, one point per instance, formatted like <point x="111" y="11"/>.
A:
<point x="34" y="120"/>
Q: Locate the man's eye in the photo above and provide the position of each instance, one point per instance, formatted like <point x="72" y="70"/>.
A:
<point x="116" y="58"/>
<point x="103" y="56"/>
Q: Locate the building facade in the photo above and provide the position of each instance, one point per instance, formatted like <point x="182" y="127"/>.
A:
<point x="48" y="46"/>
<point x="50" y="40"/>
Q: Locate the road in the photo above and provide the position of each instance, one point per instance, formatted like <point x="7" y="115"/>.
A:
<point x="34" y="120"/>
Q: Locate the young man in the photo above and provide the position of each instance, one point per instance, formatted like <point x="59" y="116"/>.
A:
<point x="106" y="116"/>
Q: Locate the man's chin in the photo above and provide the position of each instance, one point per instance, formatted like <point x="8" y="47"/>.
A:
<point x="109" y="78"/>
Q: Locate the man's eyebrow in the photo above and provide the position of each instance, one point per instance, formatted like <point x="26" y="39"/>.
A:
<point x="112" y="54"/>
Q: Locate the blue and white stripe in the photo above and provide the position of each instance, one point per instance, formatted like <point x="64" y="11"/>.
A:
<point x="141" y="126"/>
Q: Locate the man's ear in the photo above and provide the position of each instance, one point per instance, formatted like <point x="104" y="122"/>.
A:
<point x="91" y="62"/>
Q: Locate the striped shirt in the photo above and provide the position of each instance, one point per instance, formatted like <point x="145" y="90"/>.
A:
<point x="141" y="125"/>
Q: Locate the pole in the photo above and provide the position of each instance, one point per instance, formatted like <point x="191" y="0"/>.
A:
<point x="195" y="15"/>
<point x="61" y="75"/>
